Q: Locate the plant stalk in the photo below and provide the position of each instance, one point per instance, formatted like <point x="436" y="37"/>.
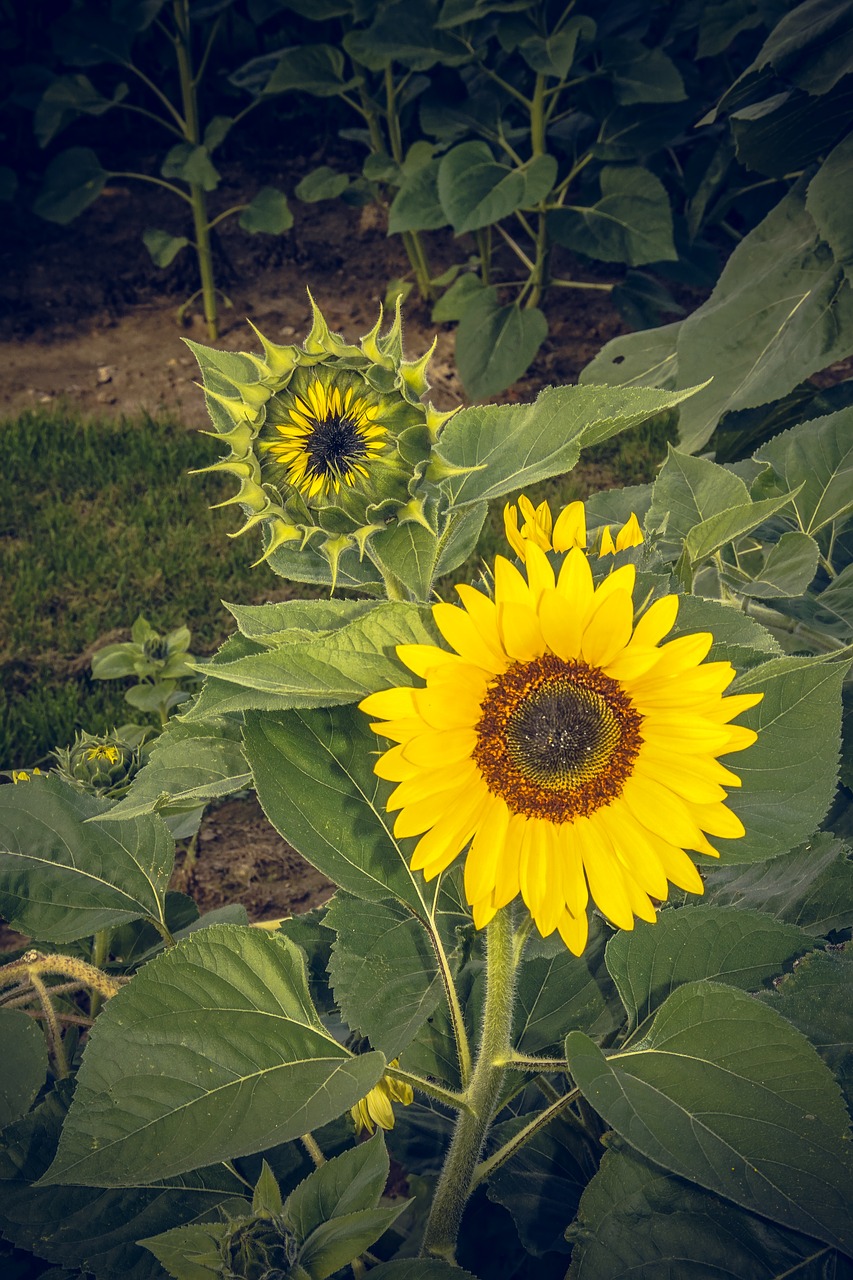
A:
<point x="198" y="196"/>
<point x="456" y="1181"/>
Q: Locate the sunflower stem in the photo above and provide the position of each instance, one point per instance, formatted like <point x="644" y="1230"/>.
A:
<point x="457" y="1176"/>
<point x="394" y="588"/>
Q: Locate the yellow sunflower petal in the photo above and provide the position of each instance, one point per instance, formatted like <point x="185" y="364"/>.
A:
<point x="604" y="875"/>
<point x="575" y="581"/>
<point x="462" y="634"/>
<point x="486" y="850"/>
<point x="393" y="767"/>
<point x="423" y="658"/>
<point x="540" y="876"/>
<point x="608" y="630"/>
<point x="439" y="744"/>
<point x="391" y="704"/>
<point x="437" y="848"/>
<point x="506" y="881"/>
<point x="441" y="784"/>
<point x="570" y="528"/>
<point x="574" y="930"/>
<point x="717" y="820"/>
<point x="520" y="631"/>
<point x="656" y="807"/>
<point x="561" y="625"/>
<point x="630" y="535"/>
<point x="510" y="585"/>
<point x="656" y="622"/>
<point x="513" y="534"/>
<point x="540" y="575"/>
<point x="483" y="613"/>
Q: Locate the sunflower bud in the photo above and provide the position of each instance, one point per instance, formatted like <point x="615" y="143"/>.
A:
<point x="330" y="441"/>
<point x="102" y="765"/>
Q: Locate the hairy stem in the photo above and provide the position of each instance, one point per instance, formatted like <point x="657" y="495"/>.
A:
<point x="456" y="1181"/>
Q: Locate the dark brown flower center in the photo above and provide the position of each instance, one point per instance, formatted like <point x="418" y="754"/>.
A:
<point x="556" y="739"/>
<point x="336" y="442"/>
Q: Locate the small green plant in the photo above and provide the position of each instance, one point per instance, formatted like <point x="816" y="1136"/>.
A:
<point x="158" y="662"/>
<point x="76" y="177"/>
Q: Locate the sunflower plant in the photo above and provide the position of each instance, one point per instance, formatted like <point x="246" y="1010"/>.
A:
<point x="583" y="977"/>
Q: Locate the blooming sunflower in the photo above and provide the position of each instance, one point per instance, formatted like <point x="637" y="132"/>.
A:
<point x="564" y="744"/>
<point x="375" y="1107"/>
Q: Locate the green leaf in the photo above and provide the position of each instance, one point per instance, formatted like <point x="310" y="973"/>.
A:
<point x="785" y="793"/>
<point x="314" y="775"/>
<point x="645" y="359"/>
<point x="416" y="206"/>
<point x="321" y="184"/>
<point x="216" y="131"/>
<point x="811" y="45"/>
<point x="163" y="248"/>
<point x="559" y="992"/>
<point x="789" y="567"/>
<point x="513" y="446"/>
<point x="383" y="971"/>
<point x="829" y="196"/>
<point x="553" y="55"/>
<point x="268" y="212"/>
<point x="636" y="1219"/>
<point x="688" y="492"/>
<point x="496" y="344"/>
<point x="333" y="1244"/>
<point x="188" y="764"/>
<point x="819" y="456"/>
<point x="73" y="179"/>
<point x="640" y="74"/>
<point x="193" y="1252"/>
<point x="404" y="33"/>
<point x="726" y="1093"/>
<point x="24" y="1064"/>
<point x="410" y="552"/>
<point x="352" y="1181"/>
<point x="539" y="178"/>
<point x="317" y="69"/>
<point x="835" y="602"/>
<point x="810" y="886"/>
<point x="66" y="98"/>
<point x="727" y="526"/>
<point x="741" y="948"/>
<point x="816" y="999"/>
<point x="83" y="1227"/>
<point x="475" y="190"/>
<point x="541" y="1184"/>
<point x="737" y="638"/>
<point x="213" y="1051"/>
<point x="191" y="164"/>
<point x="341" y="666"/>
<point x="781" y="310"/>
<point x="286" y="621"/>
<point x="63" y="876"/>
<point x="631" y="222"/>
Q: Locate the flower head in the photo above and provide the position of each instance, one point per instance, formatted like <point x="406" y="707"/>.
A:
<point x="571" y="751"/>
<point x="102" y="765"/>
<point x="375" y="1108"/>
<point x="330" y="442"/>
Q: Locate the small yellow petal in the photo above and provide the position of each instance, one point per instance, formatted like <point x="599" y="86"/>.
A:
<point x="608" y="629"/>
<point x="630" y="535"/>
<point x="520" y="631"/>
<point x="391" y="704"/>
<point x="570" y="529"/>
<point x="656" y="622"/>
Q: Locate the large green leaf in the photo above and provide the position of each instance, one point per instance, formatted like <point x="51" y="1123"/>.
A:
<point x="333" y="1244"/>
<point x="383" y="971"/>
<point x="817" y="455"/>
<point x="558" y="992"/>
<point x="631" y="222"/>
<point x="738" y="638"/>
<point x="644" y="359"/>
<point x="789" y="567"/>
<point x="726" y="1093"/>
<point x="781" y="310"/>
<point x="786" y="793"/>
<point x="637" y="1220"/>
<point x="726" y="527"/>
<point x="72" y="181"/>
<point x="510" y="447"/>
<point x="64" y="873"/>
<point x="96" y="1230"/>
<point x="420" y="1269"/>
<point x="189" y="764"/>
<point x="495" y="344"/>
<point x="283" y="621"/>
<point x="314" y="775"/>
<point x="640" y="74"/>
<point x="24" y="1063"/>
<point x="542" y="1183"/>
<point x="816" y="997"/>
<point x="416" y="206"/>
<point x="554" y="54"/>
<point x="213" y="1051"/>
<point x="828" y="200"/>
<point x="405" y="33"/>
<point x="475" y="190"/>
<point x="687" y="493"/>
<point x="64" y="99"/>
<point x="317" y="69"/>
<point x="811" y="45"/>
<point x="810" y="886"/>
<point x="742" y="948"/>
<point x="339" y="666"/>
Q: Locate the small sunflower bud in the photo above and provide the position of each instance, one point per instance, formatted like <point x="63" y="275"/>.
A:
<point x="101" y="765"/>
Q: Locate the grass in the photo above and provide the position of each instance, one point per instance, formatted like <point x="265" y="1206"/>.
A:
<point x="100" y="521"/>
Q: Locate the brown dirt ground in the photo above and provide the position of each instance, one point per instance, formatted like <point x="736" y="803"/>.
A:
<point x="87" y="320"/>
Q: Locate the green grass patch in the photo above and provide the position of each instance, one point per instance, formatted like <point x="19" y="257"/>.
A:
<point x="100" y="521"/>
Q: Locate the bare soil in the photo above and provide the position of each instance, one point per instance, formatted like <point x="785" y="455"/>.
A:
<point x="88" y="322"/>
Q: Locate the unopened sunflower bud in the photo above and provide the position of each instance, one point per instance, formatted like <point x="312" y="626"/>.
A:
<point x="103" y="765"/>
<point x="322" y="436"/>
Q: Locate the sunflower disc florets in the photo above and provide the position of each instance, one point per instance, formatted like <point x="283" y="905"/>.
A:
<point x="330" y="441"/>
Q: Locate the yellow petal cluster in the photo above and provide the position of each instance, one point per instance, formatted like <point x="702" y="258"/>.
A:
<point x="376" y="1109"/>
<point x="569" y="530"/>
<point x="570" y="749"/>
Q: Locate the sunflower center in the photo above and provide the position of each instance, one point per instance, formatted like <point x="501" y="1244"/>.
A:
<point x="334" y="444"/>
<point x="556" y="739"/>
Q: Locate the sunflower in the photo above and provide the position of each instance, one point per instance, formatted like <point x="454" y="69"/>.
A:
<point x="327" y="440"/>
<point x="570" y="530"/>
<point x="571" y="751"/>
<point x="375" y="1107"/>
